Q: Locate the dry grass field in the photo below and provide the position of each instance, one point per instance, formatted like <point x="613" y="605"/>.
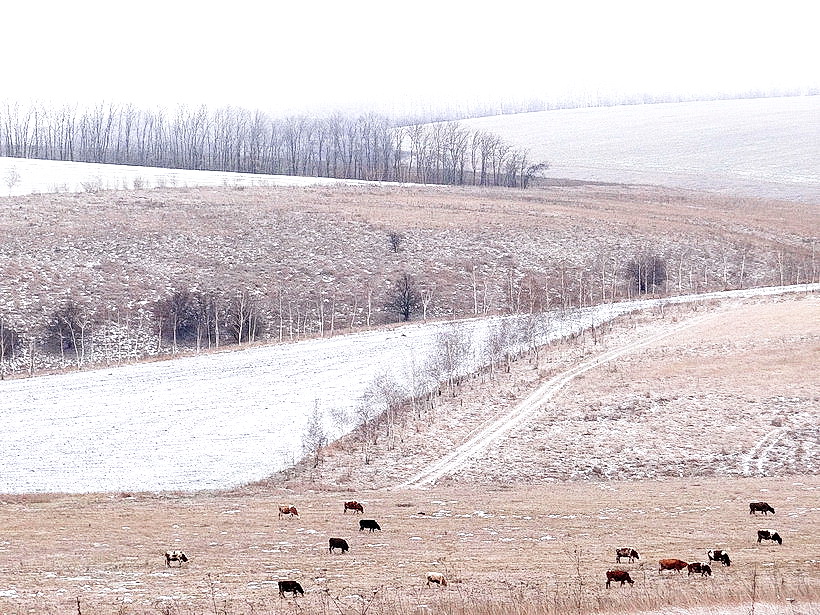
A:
<point x="318" y="261"/>
<point x="534" y="549"/>
<point x="661" y="449"/>
<point x="511" y="533"/>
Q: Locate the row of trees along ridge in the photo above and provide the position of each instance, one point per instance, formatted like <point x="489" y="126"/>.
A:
<point x="367" y="147"/>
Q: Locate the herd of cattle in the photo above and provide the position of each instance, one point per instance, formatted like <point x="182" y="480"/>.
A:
<point x="438" y="578"/>
<point x="701" y="568"/>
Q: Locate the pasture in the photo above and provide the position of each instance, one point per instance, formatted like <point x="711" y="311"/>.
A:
<point x="509" y="534"/>
<point x="539" y="549"/>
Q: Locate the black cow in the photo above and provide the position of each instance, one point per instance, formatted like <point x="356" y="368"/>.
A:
<point x="290" y="586"/>
<point x="704" y="570"/>
<point x="763" y="507"/>
<point x="368" y="524"/>
<point x="338" y="543"/>
<point x="618" y="575"/>
<point x="718" y="555"/>
<point x="769" y="535"/>
<point x="632" y="554"/>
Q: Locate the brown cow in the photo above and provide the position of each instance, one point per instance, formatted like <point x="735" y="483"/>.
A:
<point x="436" y="577"/>
<point x="763" y="507"/>
<point x="704" y="570"/>
<point x="618" y="575"/>
<point x="671" y="564"/>
<point x="354" y="506"/>
<point x="288" y="510"/>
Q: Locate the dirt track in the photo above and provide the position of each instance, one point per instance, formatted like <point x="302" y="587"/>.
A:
<point x="507" y="528"/>
<point x="730" y="395"/>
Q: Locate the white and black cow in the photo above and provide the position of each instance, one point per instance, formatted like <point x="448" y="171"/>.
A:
<point x="769" y="535"/>
<point x="632" y="554"/>
<point x="719" y="555"/>
<point x="175" y="556"/>
<point x="436" y="577"/>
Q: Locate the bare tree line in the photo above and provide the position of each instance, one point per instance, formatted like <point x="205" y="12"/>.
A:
<point x="367" y="147"/>
<point x="88" y="331"/>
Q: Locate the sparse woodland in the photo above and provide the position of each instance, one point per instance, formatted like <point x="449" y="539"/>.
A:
<point x="368" y="147"/>
<point x="107" y="277"/>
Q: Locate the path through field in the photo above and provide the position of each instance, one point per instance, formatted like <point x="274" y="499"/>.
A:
<point x="500" y="426"/>
<point x="755" y="461"/>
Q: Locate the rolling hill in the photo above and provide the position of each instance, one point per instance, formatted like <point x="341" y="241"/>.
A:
<point x="763" y="147"/>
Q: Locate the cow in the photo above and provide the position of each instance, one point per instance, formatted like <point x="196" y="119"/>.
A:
<point x="718" y="555"/>
<point x="632" y="554"/>
<point x="337" y="543"/>
<point x="769" y="535"/>
<point x="618" y="575"/>
<point x="436" y="577"/>
<point x="368" y="524"/>
<point x="175" y="556"/>
<point x="288" y="510"/>
<point x="704" y="570"/>
<point x="671" y="564"/>
<point x="355" y="506"/>
<point x="290" y="586"/>
<point x="763" y="507"/>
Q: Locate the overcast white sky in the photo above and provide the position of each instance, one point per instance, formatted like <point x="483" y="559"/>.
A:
<point x="302" y="54"/>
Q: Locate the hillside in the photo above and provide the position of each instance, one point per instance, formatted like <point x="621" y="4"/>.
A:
<point x="714" y="390"/>
<point x="668" y="420"/>
<point x="661" y="450"/>
<point x="313" y="261"/>
<point x="764" y="147"/>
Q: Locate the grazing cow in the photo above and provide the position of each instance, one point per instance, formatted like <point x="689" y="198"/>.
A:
<point x="632" y="554"/>
<point x="769" y="535"/>
<point x="288" y="510"/>
<point x="436" y="577"/>
<point x="718" y="555"/>
<point x="337" y="543"/>
<point x="354" y="506"/>
<point x="763" y="507"/>
<point x="368" y="524"/>
<point x="671" y="564"/>
<point x="290" y="586"/>
<point x="618" y="575"/>
<point x="704" y="570"/>
<point x="175" y="556"/>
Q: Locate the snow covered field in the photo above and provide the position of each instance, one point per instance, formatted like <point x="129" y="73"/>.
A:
<point x="19" y="176"/>
<point x="764" y="147"/>
<point x="219" y="420"/>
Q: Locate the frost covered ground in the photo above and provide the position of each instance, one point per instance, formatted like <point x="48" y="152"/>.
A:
<point x="223" y="419"/>
<point x="764" y="147"/>
<point x="19" y="176"/>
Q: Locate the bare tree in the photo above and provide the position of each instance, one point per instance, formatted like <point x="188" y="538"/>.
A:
<point x="9" y="342"/>
<point x="12" y="178"/>
<point x="68" y="328"/>
<point x="385" y="393"/>
<point x="395" y="239"/>
<point x="646" y="272"/>
<point x="244" y="318"/>
<point x="180" y="313"/>
<point x="314" y="437"/>
<point x="451" y="357"/>
<point x="403" y="297"/>
<point x="365" y="413"/>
